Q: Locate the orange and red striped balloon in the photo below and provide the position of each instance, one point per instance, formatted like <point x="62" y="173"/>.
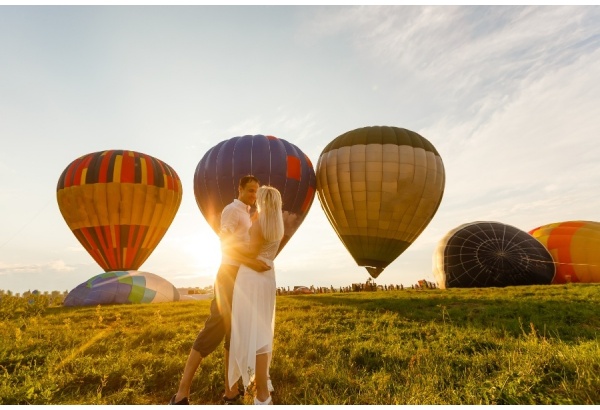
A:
<point x="119" y="204"/>
<point x="575" y="248"/>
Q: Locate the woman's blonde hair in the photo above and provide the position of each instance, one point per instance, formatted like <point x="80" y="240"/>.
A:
<point x="270" y="217"/>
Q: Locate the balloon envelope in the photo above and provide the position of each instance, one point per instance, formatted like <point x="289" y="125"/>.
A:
<point x="379" y="187"/>
<point x="575" y="247"/>
<point x="272" y="160"/>
<point x="122" y="287"/>
<point x="119" y="205"/>
<point x="490" y="254"/>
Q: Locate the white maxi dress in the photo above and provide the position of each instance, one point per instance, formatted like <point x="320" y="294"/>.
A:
<point x="252" y="317"/>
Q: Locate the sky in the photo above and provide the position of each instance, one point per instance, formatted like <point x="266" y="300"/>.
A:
<point x="509" y="96"/>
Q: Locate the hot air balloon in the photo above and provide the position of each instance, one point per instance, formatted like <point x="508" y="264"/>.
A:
<point x="272" y="160"/>
<point x="490" y="254"/>
<point x="575" y="247"/>
<point x="119" y="205"/>
<point x="122" y="287"/>
<point x="379" y="187"/>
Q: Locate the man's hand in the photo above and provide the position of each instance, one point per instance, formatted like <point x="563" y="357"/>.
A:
<point x="258" y="265"/>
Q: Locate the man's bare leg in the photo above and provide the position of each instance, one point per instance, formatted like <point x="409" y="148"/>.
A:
<point x="191" y="365"/>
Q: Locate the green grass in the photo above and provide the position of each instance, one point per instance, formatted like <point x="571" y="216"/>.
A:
<point x="517" y="345"/>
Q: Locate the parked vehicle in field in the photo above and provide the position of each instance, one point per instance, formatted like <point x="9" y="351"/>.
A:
<point x="302" y="290"/>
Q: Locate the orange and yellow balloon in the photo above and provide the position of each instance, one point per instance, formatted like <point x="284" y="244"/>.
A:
<point x="119" y="204"/>
<point x="575" y="248"/>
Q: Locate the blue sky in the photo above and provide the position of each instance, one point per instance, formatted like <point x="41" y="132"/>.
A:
<point x="509" y="96"/>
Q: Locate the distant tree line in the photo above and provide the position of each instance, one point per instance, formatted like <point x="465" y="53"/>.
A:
<point x="30" y="303"/>
<point x="34" y="302"/>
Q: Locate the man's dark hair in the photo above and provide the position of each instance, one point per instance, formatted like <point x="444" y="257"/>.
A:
<point x="248" y="178"/>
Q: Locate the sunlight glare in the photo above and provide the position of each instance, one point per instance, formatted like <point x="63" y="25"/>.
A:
<point x="205" y="254"/>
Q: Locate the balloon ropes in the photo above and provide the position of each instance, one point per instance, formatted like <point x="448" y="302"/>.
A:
<point x="379" y="187"/>
<point x="491" y="254"/>
<point x="575" y="247"/>
<point x="274" y="161"/>
<point x="119" y="204"/>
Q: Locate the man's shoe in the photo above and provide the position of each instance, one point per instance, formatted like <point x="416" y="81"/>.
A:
<point x="241" y="389"/>
<point x="182" y="401"/>
<point x="231" y="400"/>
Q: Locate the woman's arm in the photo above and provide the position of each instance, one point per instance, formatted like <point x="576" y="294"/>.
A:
<point x="247" y="255"/>
<point x="252" y="250"/>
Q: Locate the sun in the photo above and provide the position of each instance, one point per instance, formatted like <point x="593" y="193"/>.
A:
<point x="205" y="254"/>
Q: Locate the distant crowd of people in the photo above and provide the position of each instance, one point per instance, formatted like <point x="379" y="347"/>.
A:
<point x="368" y="286"/>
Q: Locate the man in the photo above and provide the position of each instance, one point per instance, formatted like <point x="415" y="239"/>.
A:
<point x="235" y="226"/>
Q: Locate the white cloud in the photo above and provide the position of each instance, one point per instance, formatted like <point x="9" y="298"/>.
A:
<point x="545" y="136"/>
<point x="469" y="53"/>
<point x="54" y="266"/>
<point x="60" y="266"/>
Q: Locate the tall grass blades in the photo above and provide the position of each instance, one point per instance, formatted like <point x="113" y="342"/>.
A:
<point x="516" y="345"/>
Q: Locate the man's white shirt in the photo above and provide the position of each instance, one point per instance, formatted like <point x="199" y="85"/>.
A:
<point x="235" y="219"/>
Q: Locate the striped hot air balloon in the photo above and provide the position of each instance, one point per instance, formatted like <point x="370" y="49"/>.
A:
<point x="119" y="204"/>
<point x="379" y="187"/>
<point x="490" y="254"/>
<point x="575" y="247"/>
<point x="274" y="161"/>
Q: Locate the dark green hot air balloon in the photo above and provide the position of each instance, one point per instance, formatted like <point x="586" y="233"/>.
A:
<point x="379" y="187"/>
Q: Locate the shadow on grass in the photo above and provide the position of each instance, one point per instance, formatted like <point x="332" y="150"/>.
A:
<point x="552" y="317"/>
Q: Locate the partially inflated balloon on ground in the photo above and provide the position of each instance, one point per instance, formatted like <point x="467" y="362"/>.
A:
<point x="490" y="254"/>
<point x="379" y="187"/>
<point x="122" y="287"/>
<point x="272" y="160"/>
<point x="119" y="204"/>
<point x="575" y="247"/>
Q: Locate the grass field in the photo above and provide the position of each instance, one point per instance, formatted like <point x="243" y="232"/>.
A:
<point x="517" y="345"/>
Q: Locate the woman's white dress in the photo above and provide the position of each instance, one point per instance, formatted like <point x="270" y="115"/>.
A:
<point x="252" y="317"/>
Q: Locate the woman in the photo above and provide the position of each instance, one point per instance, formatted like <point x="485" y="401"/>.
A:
<point x="253" y="307"/>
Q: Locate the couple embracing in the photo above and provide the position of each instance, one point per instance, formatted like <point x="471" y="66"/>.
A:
<point x="243" y="308"/>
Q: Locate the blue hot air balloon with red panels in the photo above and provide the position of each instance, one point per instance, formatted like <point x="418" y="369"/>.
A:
<point x="274" y="161"/>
